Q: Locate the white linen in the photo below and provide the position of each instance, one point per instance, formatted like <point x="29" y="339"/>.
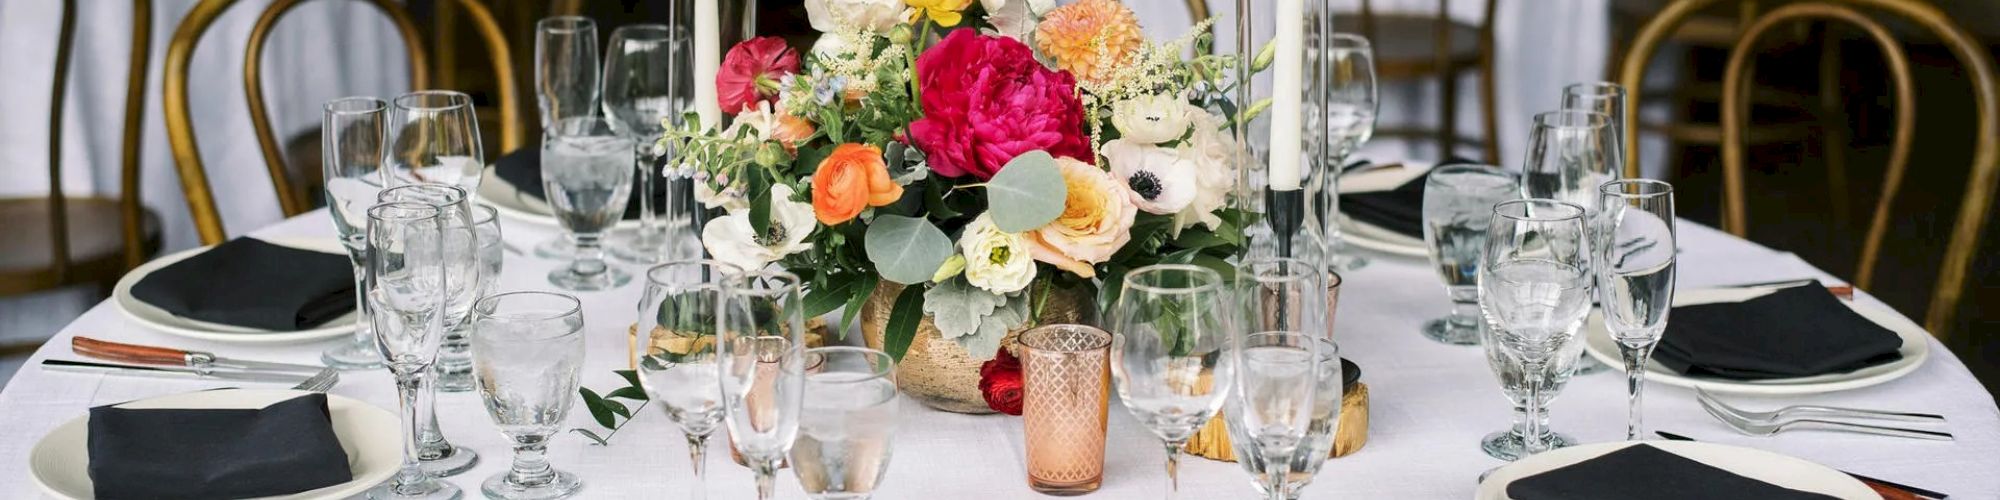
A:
<point x="1431" y="404"/>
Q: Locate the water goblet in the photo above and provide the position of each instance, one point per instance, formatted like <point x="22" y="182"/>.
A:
<point x="1170" y="357"/>
<point x="351" y="144"/>
<point x="1635" y="276"/>
<point x="1534" y="292"/>
<point x="1458" y="204"/>
<point x="760" y="350"/>
<point x="1283" y="294"/>
<point x="587" y="173"/>
<point x="847" y="425"/>
<point x="528" y="348"/>
<point x="406" y="290"/>
<point x="566" y="86"/>
<point x="1271" y="407"/>
<point x="492" y="249"/>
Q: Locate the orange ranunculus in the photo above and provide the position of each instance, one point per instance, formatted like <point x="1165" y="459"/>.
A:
<point x="791" y="131"/>
<point x="852" y="178"/>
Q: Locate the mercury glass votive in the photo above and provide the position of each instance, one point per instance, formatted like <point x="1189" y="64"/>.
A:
<point x="1066" y="392"/>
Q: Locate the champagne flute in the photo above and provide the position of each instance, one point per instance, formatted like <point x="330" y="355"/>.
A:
<point x="566" y="86"/>
<point x="847" y="424"/>
<point x="529" y="351"/>
<point x="676" y="362"/>
<point x="641" y="92"/>
<point x="1272" y="403"/>
<point x="1316" y="446"/>
<point x="1170" y="359"/>
<point x="434" y="139"/>
<point x="351" y="140"/>
<point x="1570" y="153"/>
<point x="1534" y="291"/>
<point x="1346" y="70"/>
<point x="587" y="173"/>
<point x="1458" y="203"/>
<point x="1635" y="276"/>
<point x="462" y="267"/>
<point x="406" y="289"/>
<point x="760" y="349"/>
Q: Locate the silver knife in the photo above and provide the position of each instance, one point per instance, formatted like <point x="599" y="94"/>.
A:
<point x="63" y="365"/>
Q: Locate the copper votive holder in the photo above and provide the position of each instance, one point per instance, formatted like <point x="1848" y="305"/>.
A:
<point x="1066" y="393"/>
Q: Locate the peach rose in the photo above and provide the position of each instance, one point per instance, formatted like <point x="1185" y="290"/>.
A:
<point x="852" y="178"/>
<point x="1096" y="221"/>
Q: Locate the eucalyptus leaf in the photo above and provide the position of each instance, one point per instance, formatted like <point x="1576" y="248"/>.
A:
<point x="903" y="320"/>
<point x="1030" y="192"/>
<point x="957" y="307"/>
<point x="906" y="250"/>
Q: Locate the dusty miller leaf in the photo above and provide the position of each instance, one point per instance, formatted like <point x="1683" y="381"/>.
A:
<point x="984" y="344"/>
<point x="957" y="307"/>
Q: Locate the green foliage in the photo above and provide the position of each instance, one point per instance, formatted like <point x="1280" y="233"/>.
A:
<point x="958" y="308"/>
<point x="1031" y="189"/>
<point x="608" y="411"/>
<point x="906" y="250"/>
<point x="903" y="320"/>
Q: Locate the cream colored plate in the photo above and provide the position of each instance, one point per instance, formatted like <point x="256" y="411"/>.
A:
<point x="60" y="462"/>
<point x="159" y="319"/>
<point x="1761" y="465"/>
<point x="1372" y="237"/>
<point x="510" y="203"/>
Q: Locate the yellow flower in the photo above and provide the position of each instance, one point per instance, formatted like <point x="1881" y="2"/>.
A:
<point x="1090" y="37"/>
<point x="945" y="12"/>
<point x="1096" y="221"/>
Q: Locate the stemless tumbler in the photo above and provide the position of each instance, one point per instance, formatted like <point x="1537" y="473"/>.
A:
<point x="528" y="347"/>
<point x="1066" y="396"/>
<point x="1458" y="204"/>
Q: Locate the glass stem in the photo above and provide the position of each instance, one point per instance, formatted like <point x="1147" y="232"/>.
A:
<point x="408" y="387"/>
<point x="589" y="255"/>
<point x="1173" y="470"/>
<point x="1531" y="440"/>
<point x="1464" y="307"/>
<point x="531" y="462"/>
<point x="364" y="324"/>
<point x="767" y="478"/>
<point x="1277" y="469"/>
<point x="643" y="158"/>
<point x="429" y="438"/>
<point x="698" y="456"/>
<point x="1635" y="386"/>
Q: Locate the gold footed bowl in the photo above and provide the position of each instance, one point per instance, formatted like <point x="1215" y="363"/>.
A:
<point x="936" y="371"/>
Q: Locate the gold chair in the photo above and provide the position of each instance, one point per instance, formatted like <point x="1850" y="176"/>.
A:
<point x="91" y="239"/>
<point x="1411" y="46"/>
<point x="291" y="200"/>
<point x="1986" y="159"/>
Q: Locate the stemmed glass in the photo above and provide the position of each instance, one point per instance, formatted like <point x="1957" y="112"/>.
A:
<point x="1170" y="357"/>
<point x="1283" y="294"/>
<point x="1607" y="98"/>
<point x="1316" y="446"/>
<point x="462" y="268"/>
<point x="641" y="92"/>
<point x="1346" y="73"/>
<point x="761" y="356"/>
<point x="434" y="139"/>
<point x="1635" y="275"/>
<point x="351" y="140"/>
<point x="529" y="351"/>
<point x="676" y="362"/>
<point x="492" y="249"/>
<point x="406" y="289"/>
<point x="1272" y="404"/>
<point x="1534" y="291"/>
<point x="566" y="76"/>
<point x="1570" y="153"/>
<point x="587" y="173"/>
<point x="1458" y="204"/>
<point x="848" y="422"/>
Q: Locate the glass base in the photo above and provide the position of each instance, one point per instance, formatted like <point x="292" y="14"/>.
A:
<point x="562" y="485"/>
<point x="430" y="489"/>
<point x="557" y="248"/>
<point x="447" y="461"/>
<point x="1506" y="445"/>
<point x="1065" y="489"/>
<point x="1442" y="330"/>
<point x="353" y="355"/>
<point x="1586" y="365"/>
<point x="612" y="277"/>
<point x="639" y="246"/>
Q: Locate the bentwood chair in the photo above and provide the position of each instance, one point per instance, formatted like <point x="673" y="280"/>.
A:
<point x="1411" y="46"/>
<point x="292" y="199"/>
<point x="1985" y="174"/>
<point x="89" y="239"/>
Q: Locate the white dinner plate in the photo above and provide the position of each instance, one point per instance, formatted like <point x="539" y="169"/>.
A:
<point x="60" y="462"/>
<point x="510" y="203"/>
<point x="1915" y="349"/>
<point x="1761" y="465"/>
<point x="1373" y="237"/>
<point x="159" y="319"/>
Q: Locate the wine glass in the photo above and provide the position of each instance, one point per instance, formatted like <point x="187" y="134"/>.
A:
<point x="642" y="90"/>
<point x="462" y="267"/>
<point x="587" y="173"/>
<point x="1170" y="358"/>
<point x="1345" y="70"/>
<point x="1272" y="403"/>
<point x="760" y="350"/>
<point x="434" y="139"/>
<point x="529" y="351"/>
<point x="847" y="425"/>
<point x="676" y="362"/>
<point x="566" y="86"/>
<point x="1534" y="291"/>
<point x="1317" y="445"/>
<point x="1570" y="153"/>
<point x="1458" y="204"/>
<point x="351" y="139"/>
<point x="1635" y="275"/>
<point x="1607" y="98"/>
<point x="406" y="289"/>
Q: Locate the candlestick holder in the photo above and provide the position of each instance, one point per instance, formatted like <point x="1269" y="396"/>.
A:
<point x="1283" y="167"/>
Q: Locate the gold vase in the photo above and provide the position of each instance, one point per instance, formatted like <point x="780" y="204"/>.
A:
<point x="936" y="371"/>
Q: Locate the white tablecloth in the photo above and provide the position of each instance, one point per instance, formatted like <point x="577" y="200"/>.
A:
<point x="1431" y="404"/>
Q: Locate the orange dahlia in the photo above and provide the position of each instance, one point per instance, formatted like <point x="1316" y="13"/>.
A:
<point x="1090" y="37"/>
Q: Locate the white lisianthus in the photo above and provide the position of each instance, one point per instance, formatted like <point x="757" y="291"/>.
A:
<point x="996" y="261"/>
<point x="1162" y="180"/>
<point x="1209" y="148"/>
<point x="828" y="16"/>
<point x="1015" y="18"/>
<point x="1151" y="119"/>
<point x="731" y="238"/>
<point x="1037" y="6"/>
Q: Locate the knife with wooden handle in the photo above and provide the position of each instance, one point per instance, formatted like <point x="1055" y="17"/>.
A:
<point x="163" y="356"/>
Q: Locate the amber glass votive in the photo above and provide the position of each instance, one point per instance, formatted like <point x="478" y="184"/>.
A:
<point x="1067" y="389"/>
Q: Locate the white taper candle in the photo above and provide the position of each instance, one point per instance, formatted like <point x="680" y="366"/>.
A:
<point x="1287" y="95"/>
<point x="707" y="60"/>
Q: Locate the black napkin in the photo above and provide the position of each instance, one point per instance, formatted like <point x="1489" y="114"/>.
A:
<point x="250" y="283"/>
<point x="523" y="170"/>
<point x="284" y="448"/>
<point x="1794" y="332"/>
<point x="1400" y="210"/>
<point x="1642" y="472"/>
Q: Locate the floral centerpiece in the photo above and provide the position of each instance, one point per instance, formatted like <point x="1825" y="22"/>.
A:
<point x="964" y="163"/>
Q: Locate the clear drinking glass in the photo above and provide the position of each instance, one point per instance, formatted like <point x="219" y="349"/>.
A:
<point x="1509" y="443"/>
<point x="1272" y="404"/>
<point x="846" y="429"/>
<point x="1607" y="98"/>
<point x="761" y="357"/>
<point x="434" y="139"/>
<point x="1345" y="71"/>
<point x="1534" y="292"/>
<point x="1066" y="398"/>
<point x="566" y="86"/>
<point x="1570" y="153"/>
<point x="406" y="289"/>
<point x="492" y="249"/>
<point x="453" y="370"/>
<point x="351" y="140"/>
<point x="529" y="348"/>
<point x="642" y="90"/>
<point x="1317" y="445"/>
<point x="1458" y="204"/>
<point x="676" y="362"/>
<point x="1635" y="275"/>
<point x="587" y="173"/>
<point x="1171" y="355"/>
<point x="1281" y="294"/>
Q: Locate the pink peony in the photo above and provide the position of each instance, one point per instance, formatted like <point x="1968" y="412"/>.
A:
<point x="986" y="100"/>
<point x="751" y="71"/>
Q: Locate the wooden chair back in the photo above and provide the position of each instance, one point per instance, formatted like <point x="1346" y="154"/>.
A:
<point x="1444" y="64"/>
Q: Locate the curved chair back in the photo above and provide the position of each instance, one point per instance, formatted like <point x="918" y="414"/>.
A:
<point x="132" y="212"/>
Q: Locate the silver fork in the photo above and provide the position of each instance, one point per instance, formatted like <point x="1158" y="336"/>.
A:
<point x="319" y="382"/>
<point x="1806" y="411"/>
<point x="1764" y="428"/>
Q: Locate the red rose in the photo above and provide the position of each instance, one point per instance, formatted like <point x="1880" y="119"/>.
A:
<point x="751" y="71"/>
<point x="1000" y="383"/>
<point x="986" y="100"/>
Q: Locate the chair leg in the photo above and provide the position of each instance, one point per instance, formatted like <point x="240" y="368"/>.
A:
<point x="1448" y="115"/>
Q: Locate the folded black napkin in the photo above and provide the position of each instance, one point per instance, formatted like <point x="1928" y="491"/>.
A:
<point x="1794" y="332"/>
<point x="284" y="448"/>
<point x="1642" y="472"/>
<point x="1400" y="210"/>
<point x="523" y="170"/>
<point x="250" y="283"/>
